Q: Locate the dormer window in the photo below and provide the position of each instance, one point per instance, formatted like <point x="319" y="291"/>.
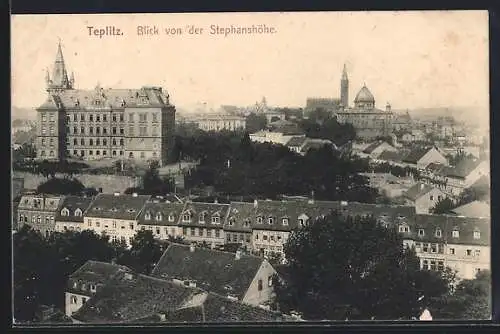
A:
<point x="438" y="233"/>
<point x="303" y="220"/>
<point x="246" y="223"/>
<point x="404" y="228"/>
<point x="114" y="209"/>
<point x="215" y="220"/>
<point x="455" y="233"/>
<point x="421" y="232"/>
<point x="147" y="216"/>
<point x="131" y="210"/>
<point x="75" y="285"/>
<point x="285" y="221"/>
<point x="97" y="208"/>
<point x="477" y="235"/>
<point x="92" y="287"/>
<point x="171" y="218"/>
<point x="186" y="217"/>
<point x="201" y="217"/>
<point x="78" y="212"/>
<point x="64" y="212"/>
<point x="259" y="220"/>
<point x="231" y="221"/>
<point x="159" y="216"/>
<point x="270" y="220"/>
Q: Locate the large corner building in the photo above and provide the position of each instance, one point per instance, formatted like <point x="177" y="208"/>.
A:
<point x="136" y="124"/>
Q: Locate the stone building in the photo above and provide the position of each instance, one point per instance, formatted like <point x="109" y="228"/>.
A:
<point x="136" y="124"/>
<point x="39" y="212"/>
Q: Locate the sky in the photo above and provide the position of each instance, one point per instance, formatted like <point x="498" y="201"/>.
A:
<point x="410" y="59"/>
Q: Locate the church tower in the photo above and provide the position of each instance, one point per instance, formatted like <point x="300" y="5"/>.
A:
<point x="344" y="89"/>
<point x="59" y="80"/>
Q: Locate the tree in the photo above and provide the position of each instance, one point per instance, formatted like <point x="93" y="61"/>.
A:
<point x="471" y="299"/>
<point x="61" y="187"/>
<point x="144" y="253"/>
<point x="443" y="206"/>
<point x="255" y="122"/>
<point x="338" y="268"/>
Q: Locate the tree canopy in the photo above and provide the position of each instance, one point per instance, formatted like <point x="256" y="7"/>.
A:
<point x="255" y="122"/>
<point x="343" y="267"/>
<point x="61" y="187"/>
<point x="321" y="124"/>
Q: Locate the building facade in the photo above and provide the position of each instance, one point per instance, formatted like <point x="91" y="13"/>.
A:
<point x="70" y="216"/>
<point x="39" y="211"/>
<point x="136" y="124"/>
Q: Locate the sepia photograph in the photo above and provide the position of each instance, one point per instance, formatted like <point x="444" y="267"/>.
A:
<point x="279" y="167"/>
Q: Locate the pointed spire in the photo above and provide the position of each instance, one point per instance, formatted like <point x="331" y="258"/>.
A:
<point x="344" y="73"/>
<point x="59" y="74"/>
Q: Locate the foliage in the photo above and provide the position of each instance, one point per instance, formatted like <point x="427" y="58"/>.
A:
<point x="386" y="167"/>
<point x="321" y="124"/>
<point x="443" y="206"/>
<point x="235" y="166"/>
<point x="455" y="159"/>
<point x="152" y="183"/>
<point x="338" y="268"/>
<point x="255" y="122"/>
<point x="43" y="265"/>
<point x="470" y="300"/>
<point x="61" y="187"/>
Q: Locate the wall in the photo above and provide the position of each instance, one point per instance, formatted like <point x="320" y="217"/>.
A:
<point x="72" y="308"/>
<point x="424" y="203"/>
<point x="114" y="228"/>
<point x="108" y="183"/>
<point x="253" y="295"/>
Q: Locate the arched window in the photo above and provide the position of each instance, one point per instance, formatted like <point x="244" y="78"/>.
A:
<point x="159" y="216"/>
<point x="147" y="216"/>
<point x="78" y="212"/>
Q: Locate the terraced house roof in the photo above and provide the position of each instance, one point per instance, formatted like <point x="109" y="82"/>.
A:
<point x="240" y="217"/>
<point x="162" y="214"/>
<point x="203" y="214"/>
<point x="94" y="272"/>
<point x="41" y="202"/>
<point x="418" y="190"/>
<point x="110" y="206"/>
<point x="462" y="169"/>
<point x="212" y="270"/>
<point x="72" y="209"/>
<point x="453" y="230"/>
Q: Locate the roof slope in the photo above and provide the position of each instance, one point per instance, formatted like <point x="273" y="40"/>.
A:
<point x="416" y="154"/>
<point x="117" y="206"/>
<point x="418" y="190"/>
<point x="212" y="270"/>
<point x="475" y="209"/>
<point x="72" y="203"/>
<point x="97" y="272"/>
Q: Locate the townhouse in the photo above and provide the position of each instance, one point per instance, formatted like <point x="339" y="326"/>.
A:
<point x="424" y="197"/>
<point x="39" y="212"/>
<point x="238" y="226"/>
<point x="161" y="218"/>
<point x="70" y="216"/>
<point x="204" y="222"/>
<point x="115" y="215"/>
<point x="440" y="241"/>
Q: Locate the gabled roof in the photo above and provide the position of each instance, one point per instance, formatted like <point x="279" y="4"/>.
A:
<point x="209" y="209"/>
<point x="118" y="206"/>
<point x="220" y="309"/>
<point x="475" y="209"/>
<point x="97" y="272"/>
<point x="72" y="203"/>
<point x="159" y="213"/>
<point x="131" y="297"/>
<point x="392" y="156"/>
<point x="466" y="227"/>
<point x="370" y="148"/>
<point x="212" y="270"/>
<point x="418" y="190"/>
<point x="240" y="217"/>
<point x="462" y="169"/>
<point x="416" y="154"/>
<point x="389" y="214"/>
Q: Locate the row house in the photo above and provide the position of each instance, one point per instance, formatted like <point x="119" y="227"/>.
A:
<point x="440" y="241"/>
<point x="39" y="212"/>
<point x="116" y="215"/>
<point x="70" y="216"/>
<point x="161" y="218"/>
<point x="204" y="222"/>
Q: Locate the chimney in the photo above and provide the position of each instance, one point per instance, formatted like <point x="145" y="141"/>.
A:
<point x="191" y="248"/>
<point x="116" y="194"/>
<point x="134" y="195"/>
<point x="237" y="255"/>
<point x="255" y="203"/>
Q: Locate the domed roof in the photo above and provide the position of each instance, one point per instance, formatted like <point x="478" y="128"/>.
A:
<point x="364" y="95"/>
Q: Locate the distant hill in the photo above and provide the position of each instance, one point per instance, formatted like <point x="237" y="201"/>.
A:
<point x="23" y="113"/>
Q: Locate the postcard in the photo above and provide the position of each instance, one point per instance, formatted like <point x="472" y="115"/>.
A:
<point x="273" y="168"/>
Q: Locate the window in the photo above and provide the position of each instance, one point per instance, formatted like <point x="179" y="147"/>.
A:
<point x="192" y="231"/>
<point x="259" y="220"/>
<point x="121" y="118"/>
<point x="97" y="118"/>
<point x="157" y="230"/>
<point x="91" y="117"/>
<point x="270" y="281"/>
<point x="186" y="217"/>
<point x="171" y="218"/>
<point x="425" y="265"/>
<point x="114" y="224"/>
<point x="131" y="117"/>
<point x="468" y="252"/>
<point x="104" y="118"/>
<point x="217" y="233"/>
<point x="155" y="118"/>
<point x="74" y="299"/>
<point x="259" y="285"/>
<point x="264" y="237"/>
<point x="431" y="198"/>
<point x="121" y="142"/>
<point x="452" y="251"/>
<point x="97" y="224"/>
<point x="477" y="252"/>
<point x="38" y="219"/>
<point x="114" y="130"/>
<point x="92" y="287"/>
<point x="433" y="248"/>
<point x="455" y="234"/>
<point x="270" y="220"/>
<point x="122" y="131"/>
<point x="209" y="233"/>
<point x="403" y="228"/>
<point x="215" y="220"/>
<point x="477" y="235"/>
<point x="147" y="216"/>
<point x="421" y="232"/>
<point x="433" y="265"/>
<point x="285" y="221"/>
<point x="158" y="216"/>
<point x="64" y="212"/>
<point x="200" y="232"/>
<point x="91" y="142"/>
<point x="425" y="247"/>
<point x="438" y="233"/>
